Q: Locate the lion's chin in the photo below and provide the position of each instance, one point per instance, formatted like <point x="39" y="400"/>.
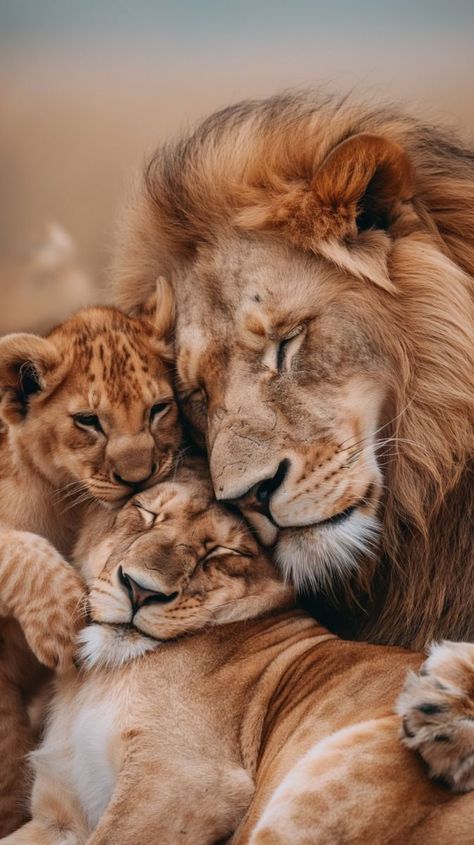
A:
<point x="312" y="557"/>
<point x="112" y="646"/>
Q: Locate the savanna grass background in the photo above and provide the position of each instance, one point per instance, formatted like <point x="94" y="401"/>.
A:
<point x="89" y="87"/>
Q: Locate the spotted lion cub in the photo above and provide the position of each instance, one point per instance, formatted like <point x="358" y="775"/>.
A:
<point x="88" y="417"/>
<point x="261" y="726"/>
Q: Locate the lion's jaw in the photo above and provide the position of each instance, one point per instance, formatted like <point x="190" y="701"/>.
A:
<point x="323" y="513"/>
<point x="303" y="416"/>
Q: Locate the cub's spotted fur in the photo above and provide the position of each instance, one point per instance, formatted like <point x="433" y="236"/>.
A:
<point x="87" y="416"/>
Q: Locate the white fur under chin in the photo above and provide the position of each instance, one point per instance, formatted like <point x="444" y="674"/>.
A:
<point x="110" y="647"/>
<point x="313" y="558"/>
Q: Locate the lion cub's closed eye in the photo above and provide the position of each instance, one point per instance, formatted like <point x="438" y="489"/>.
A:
<point x="172" y="561"/>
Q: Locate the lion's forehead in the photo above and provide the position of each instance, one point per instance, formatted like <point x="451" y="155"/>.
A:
<point x="240" y="273"/>
<point x="247" y="296"/>
<point x="115" y="372"/>
<point x="178" y="498"/>
<point x="127" y="404"/>
<point x="188" y="514"/>
<point x="168" y="495"/>
<point x="250" y="326"/>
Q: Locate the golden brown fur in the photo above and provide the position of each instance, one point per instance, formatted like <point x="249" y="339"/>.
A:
<point x="261" y="725"/>
<point x="53" y="467"/>
<point x="357" y="224"/>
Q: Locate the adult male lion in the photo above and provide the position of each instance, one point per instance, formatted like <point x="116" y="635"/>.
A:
<point x="322" y="257"/>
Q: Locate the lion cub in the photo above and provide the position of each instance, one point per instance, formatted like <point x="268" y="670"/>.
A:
<point x="88" y="416"/>
<point x="262" y="725"/>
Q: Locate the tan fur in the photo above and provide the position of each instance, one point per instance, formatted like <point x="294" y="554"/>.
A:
<point x="262" y="726"/>
<point x="356" y="226"/>
<point x="51" y="472"/>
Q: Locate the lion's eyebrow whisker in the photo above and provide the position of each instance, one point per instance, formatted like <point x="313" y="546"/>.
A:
<point x="365" y="442"/>
<point x="396" y="439"/>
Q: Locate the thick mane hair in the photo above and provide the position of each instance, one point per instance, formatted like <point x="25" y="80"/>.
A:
<point x="218" y="178"/>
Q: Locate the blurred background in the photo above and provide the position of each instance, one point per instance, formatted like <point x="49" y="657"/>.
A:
<point x="89" y="87"/>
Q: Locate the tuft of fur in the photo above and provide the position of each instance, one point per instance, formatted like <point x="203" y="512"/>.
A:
<point x="110" y="646"/>
<point x="247" y="168"/>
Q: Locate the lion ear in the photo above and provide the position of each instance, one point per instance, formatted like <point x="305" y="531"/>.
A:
<point x="360" y="186"/>
<point x="347" y="208"/>
<point x="28" y="366"/>
<point x="159" y="311"/>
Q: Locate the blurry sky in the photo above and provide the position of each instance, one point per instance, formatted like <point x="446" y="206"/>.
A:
<point x="88" y="87"/>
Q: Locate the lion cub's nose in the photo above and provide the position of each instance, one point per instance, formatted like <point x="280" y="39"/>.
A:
<point x="140" y="595"/>
<point x="135" y="484"/>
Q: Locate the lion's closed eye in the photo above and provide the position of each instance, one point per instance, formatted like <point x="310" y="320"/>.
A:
<point x="287" y="347"/>
<point x="219" y="551"/>
<point x="148" y="517"/>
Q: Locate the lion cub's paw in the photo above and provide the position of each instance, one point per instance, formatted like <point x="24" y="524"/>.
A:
<point x="52" y="621"/>
<point x="437" y="709"/>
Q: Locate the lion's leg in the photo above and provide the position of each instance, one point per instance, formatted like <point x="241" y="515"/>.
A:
<point x="197" y="802"/>
<point x="357" y="786"/>
<point x="437" y="709"/>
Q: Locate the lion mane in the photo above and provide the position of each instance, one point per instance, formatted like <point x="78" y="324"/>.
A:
<point x="244" y="168"/>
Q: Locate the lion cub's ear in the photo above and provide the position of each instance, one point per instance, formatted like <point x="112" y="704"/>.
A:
<point x="345" y="209"/>
<point x="159" y="311"/>
<point x="28" y="365"/>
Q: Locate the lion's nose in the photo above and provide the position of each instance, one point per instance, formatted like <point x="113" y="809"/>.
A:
<point x="140" y="595"/>
<point x="135" y="483"/>
<point x="260" y="492"/>
<point x="266" y="488"/>
<point x="131" y="459"/>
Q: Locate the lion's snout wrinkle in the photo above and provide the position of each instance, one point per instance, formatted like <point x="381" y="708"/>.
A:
<point x="259" y="495"/>
<point x="244" y="481"/>
<point x="240" y="459"/>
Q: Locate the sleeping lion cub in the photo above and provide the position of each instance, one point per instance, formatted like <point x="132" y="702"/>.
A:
<point x="87" y="415"/>
<point x="261" y="726"/>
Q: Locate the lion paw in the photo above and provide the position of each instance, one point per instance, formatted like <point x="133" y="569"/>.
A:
<point x="52" y="621"/>
<point x="437" y="710"/>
